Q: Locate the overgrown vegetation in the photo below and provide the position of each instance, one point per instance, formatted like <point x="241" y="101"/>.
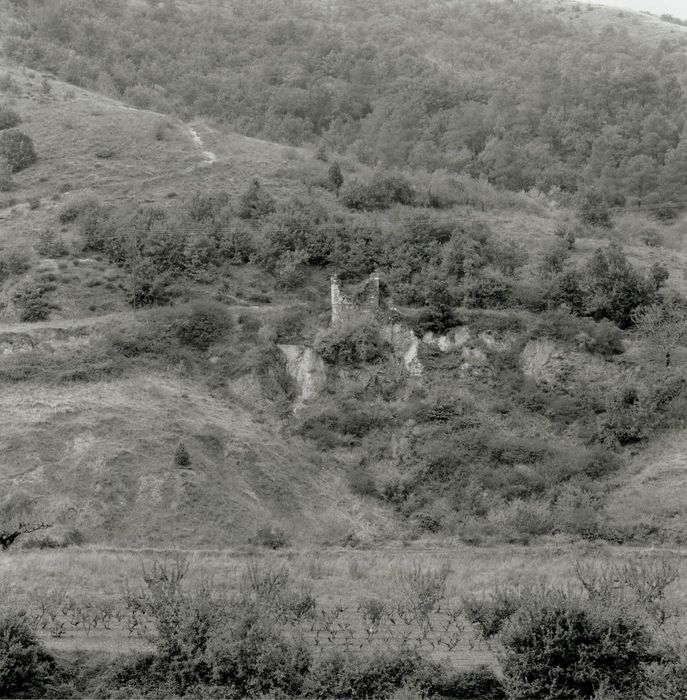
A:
<point x="16" y="149"/>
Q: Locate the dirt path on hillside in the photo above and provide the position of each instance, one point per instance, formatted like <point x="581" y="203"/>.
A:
<point x="60" y="324"/>
<point x="208" y="156"/>
<point x="91" y="321"/>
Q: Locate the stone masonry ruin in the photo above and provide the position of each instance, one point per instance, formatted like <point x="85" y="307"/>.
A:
<point x="362" y="305"/>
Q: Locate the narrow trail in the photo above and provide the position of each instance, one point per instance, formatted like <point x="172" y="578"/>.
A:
<point x="208" y="156"/>
<point x="91" y="321"/>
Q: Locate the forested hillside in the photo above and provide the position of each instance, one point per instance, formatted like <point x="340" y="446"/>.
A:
<point x="529" y="94"/>
<point x="512" y="175"/>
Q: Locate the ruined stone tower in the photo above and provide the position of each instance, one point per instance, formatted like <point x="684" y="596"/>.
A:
<point x="362" y="305"/>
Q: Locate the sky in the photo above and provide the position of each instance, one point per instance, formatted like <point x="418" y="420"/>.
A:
<point x="677" y="8"/>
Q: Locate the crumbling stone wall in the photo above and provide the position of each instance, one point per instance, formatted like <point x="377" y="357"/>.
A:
<point x="364" y="305"/>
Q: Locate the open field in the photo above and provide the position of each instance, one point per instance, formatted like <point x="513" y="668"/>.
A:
<point x="342" y="582"/>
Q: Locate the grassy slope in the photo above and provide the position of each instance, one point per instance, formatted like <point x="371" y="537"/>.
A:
<point x="104" y="453"/>
<point x="105" y="450"/>
<point x="651" y="494"/>
<point x="71" y="126"/>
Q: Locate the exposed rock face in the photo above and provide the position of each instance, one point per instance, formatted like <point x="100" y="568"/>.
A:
<point x="545" y="362"/>
<point x="306" y="368"/>
<point x="405" y="344"/>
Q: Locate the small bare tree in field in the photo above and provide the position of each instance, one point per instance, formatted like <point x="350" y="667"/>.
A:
<point x="18" y="516"/>
<point x="664" y="324"/>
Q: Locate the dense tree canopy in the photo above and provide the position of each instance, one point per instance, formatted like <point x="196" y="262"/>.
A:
<point x="517" y="91"/>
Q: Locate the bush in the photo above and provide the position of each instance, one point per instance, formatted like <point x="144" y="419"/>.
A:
<point x="594" y="209"/>
<point x="602" y="338"/>
<point x="335" y="177"/>
<point x="252" y="656"/>
<point x="361" y="482"/>
<point x="26" y="667"/>
<point x="615" y="289"/>
<point x="351" y="345"/>
<point x="14" y="261"/>
<point x="17" y="149"/>
<point x="8" y="118"/>
<point x="380" y="192"/>
<point x="205" y="324"/>
<point x="6" y="182"/>
<point x="561" y="647"/>
<point x="271" y="537"/>
<point x="32" y="302"/>
<point x="491" y="613"/>
<point x="566" y="234"/>
<point x="255" y="203"/>
<point x="477" y="683"/>
<point x="343" y="675"/>
<point x="289" y="270"/>
<point x="50" y="244"/>
<point x="78" y="207"/>
<point x="488" y="290"/>
<point x="181" y="456"/>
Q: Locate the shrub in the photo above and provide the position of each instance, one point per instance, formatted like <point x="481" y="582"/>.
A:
<point x="14" y="261"/>
<point x="559" y="646"/>
<point x="335" y="177"/>
<point x="255" y="203"/>
<point x="160" y="129"/>
<point x="6" y="182"/>
<point x="26" y="667"/>
<point x="235" y="242"/>
<point x="594" y="209"/>
<point x="206" y="206"/>
<point x="253" y="657"/>
<point x="361" y="482"/>
<point x="488" y="290"/>
<point x="602" y="338"/>
<point x="78" y="207"/>
<point x="8" y="118"/>
<point x="566" y="234"/>
<point x="289" y="270"/>
<point x="127" y="676"/>
<point x="181" y="456"/>
<point x="205" y="324"/>
<point x="351" y="345"/>
<point x="17" y="149"/>
<point x="343" y="675"/>
<point x="271" y="537"/>
<point x="184" y="621"/>
<point x="615" y="289"/>
<point x="32" y="302"/>
<point x="477" y="683"/>
<point x="380" y="192"/>
<point x="50" y="244"/>
<point x="666" y="681"/>
<point x="491" y="613"/>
